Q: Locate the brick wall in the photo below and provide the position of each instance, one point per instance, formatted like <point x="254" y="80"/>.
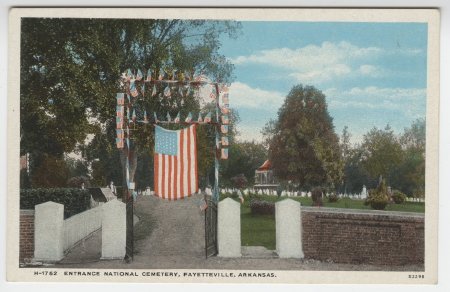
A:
<point x="363" y="237"/>
<point x="26" y="249"/>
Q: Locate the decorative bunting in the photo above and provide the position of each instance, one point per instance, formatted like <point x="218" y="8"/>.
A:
<point x="139" y="75"/>
<point x="225" y="120"/>
<point x="207" y="118"/>
<point x="133" y="89"/>
<point x="167" y="92"/>
<point x="145" y="117"/>
<point x="224" y="129"/>
<point x="119" y="134"/>
<point x="212" y="94"/>
<point x="177" y="118"/>
<point x="120" y="110"/>
<point x="129" y="75"/>
<point x="173" y="75"/>
<point x="119" y="143"/>
<point x="143" y="89"/>
<point x="161" y="74"/>
<point x="180" y="91"/>
<point x="225" y="110"/>
<point x="200" y="119"/>
<point x="119" y="122"/>
<point x="120" y="98"/>
<point x="225" y="100"/>
<point x="188" y="118"/>
<point x="225" y="141"/>
<point x="154" y="92"/>
<point x="169" y="119"/>
<point x="149" y="75"/>
<point x="224" y="153"/>
<point x="187" y="75"/>
<point x="155" y="117"/>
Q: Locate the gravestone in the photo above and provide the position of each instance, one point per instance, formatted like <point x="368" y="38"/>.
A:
<point x="229" y="228"/>
<point x="49" y="232"/>
<point x="113" y="230"/>
<point x="288" y="229"/>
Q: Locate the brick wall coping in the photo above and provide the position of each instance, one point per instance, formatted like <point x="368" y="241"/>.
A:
<point x="26" y="212"/>
<point x="362" y="212"/>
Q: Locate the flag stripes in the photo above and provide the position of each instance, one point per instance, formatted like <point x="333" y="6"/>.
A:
<point x="175" y="176"/>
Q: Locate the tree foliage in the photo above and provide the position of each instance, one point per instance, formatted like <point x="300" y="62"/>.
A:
<point x="69" y="77"/>
<point x="381" y="152"/>
<point x="304" y="147"/>
<point x="244" y="159"/>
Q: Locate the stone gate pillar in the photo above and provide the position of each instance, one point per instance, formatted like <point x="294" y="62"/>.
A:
<point x="114" y="230"/>
<point x="49" y="232"/>
<point x="288" y="229"/>
<point x="229" y="228"/>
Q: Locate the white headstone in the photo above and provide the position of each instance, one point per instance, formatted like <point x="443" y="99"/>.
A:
<point x="229" y="228"/>
<point x="49" y="232"/>
<point x="288" y="229"/>
<point x="113" y="230"/>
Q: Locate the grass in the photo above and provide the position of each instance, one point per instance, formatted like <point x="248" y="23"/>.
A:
<point x="259" y="230"/>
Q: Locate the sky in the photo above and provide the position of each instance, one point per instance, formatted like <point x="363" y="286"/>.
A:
<point x="372" y="74"/>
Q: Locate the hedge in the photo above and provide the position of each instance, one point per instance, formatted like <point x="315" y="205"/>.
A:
<point x="74" y="200"/>
<point x="258" y="207"/>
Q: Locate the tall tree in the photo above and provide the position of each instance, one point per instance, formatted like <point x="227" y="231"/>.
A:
<point x="409" y="176"/>
<point x="304" y="147"/>
<point x="381" y="152"/>
<point x="70" y="69"/>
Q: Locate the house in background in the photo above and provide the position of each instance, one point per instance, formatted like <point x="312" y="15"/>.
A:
<point x="264" y="178"/>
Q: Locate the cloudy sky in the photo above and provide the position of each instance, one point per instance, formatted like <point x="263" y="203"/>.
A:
<point x="371" y="73"/>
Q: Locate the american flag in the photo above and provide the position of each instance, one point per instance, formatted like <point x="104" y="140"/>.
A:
<point x="175" y="163"/>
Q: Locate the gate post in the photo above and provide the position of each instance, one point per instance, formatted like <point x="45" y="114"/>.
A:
<point x="49" y="231"/>
<point x="229" y="228"/>
<point x="114" y="230"/>
<point x="288" y="229"/>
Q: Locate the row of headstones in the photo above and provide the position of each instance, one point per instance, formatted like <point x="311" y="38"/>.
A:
<point x="269" y="192"/>
<point x="288" y="231"/>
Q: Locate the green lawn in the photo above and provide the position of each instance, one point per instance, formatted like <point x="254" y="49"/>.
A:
<point x="259" y="230"/>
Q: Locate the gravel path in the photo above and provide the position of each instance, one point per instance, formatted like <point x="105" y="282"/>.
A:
<point x="170" y="235"/>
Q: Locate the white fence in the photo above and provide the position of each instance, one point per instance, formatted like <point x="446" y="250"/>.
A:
<point x="54" y="235"/>
<point x="81" y="225"/>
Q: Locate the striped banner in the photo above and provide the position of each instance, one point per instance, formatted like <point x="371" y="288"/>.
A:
<point x="175" y="163"/>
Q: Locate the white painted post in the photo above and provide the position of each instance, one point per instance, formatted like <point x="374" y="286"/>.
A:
<point x="49" y="232"/>
<point x="113" y="230"/>
<point x="229" y="228"/>
<point x="288" y="229"/>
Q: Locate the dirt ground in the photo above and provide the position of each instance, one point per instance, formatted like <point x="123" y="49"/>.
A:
<point x="170" y="235"/>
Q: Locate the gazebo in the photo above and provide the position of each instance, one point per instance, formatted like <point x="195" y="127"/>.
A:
<point x="264" y="178"/>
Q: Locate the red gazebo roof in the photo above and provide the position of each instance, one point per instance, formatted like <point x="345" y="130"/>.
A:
<point x="265" y="166"/>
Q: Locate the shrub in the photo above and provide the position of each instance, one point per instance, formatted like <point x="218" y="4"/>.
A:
<point x="398" y="197"/>
<point x="316" y="196"/>
<point x="74" y="200"/>
<point x="258" y="207"/>
<point x="333" y="198"/>
<point x="378" y="198"/>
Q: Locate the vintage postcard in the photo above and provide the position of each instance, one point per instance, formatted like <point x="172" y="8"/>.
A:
<point x="223" y="145"/>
